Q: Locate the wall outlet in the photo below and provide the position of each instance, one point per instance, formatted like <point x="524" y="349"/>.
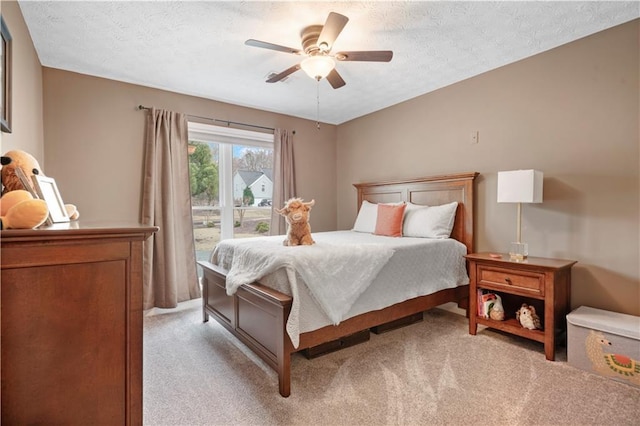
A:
<point x="474" y="137"/>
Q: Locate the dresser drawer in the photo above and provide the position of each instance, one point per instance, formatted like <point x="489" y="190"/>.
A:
<point x="510" y="280"/>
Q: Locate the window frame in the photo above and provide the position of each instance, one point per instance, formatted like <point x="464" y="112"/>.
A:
<point x="226" y="137"/>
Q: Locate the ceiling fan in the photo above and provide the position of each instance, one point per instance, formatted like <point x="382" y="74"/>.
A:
<point x="317" y="41"/>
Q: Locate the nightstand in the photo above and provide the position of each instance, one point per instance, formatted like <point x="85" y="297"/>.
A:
<point x="541" y="282"/>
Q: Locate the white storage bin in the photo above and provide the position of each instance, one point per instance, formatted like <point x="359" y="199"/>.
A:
<point x="604" y="342"/>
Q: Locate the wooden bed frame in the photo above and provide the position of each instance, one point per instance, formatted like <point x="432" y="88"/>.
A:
<point x="257" y="315"/>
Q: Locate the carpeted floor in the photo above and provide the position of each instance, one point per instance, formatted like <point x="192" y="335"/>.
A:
<point x="428" y="373"/>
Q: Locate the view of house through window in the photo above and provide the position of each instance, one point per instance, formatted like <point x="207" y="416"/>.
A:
<point x="231" y="184"/>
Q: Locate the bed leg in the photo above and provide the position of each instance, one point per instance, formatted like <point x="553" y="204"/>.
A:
<point x="205" y="297"/>
<point x="284" y="374"/>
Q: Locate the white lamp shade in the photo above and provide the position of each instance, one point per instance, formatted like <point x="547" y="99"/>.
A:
<point x="520" y="186"/>
<point x="318" y="67"/>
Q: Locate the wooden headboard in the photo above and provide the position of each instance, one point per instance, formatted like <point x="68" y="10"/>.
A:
<point x="430" y="191"/>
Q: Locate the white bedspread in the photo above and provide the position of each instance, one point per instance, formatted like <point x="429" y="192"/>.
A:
<point x="335" y="275"/>
<point x="414" y="267"/>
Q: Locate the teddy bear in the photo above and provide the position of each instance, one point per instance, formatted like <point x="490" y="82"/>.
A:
<point x="528" y="317"/>
<point x="19" y="210"/>
<point x="29" y="166"/>
<point x="296" y="214"/>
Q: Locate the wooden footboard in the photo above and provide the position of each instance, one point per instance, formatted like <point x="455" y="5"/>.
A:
<point x="257" y="315"/>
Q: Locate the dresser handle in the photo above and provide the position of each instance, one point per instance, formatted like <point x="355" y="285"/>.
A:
<point x="508" y="280"/>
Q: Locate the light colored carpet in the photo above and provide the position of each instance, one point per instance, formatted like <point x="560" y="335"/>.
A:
<point x="429" y="373"/>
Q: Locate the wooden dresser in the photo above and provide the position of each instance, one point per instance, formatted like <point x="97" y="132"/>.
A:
<point x="71" y="308"/>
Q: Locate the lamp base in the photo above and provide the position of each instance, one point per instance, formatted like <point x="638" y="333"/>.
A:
<point x="518" y="251"/>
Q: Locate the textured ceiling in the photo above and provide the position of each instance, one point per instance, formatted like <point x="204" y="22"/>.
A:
<point x="197" y="48"/>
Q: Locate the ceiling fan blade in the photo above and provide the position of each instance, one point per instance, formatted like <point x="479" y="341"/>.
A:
<point x="283" y="74"/>
<point x="271" y="46"/>
<point x="330" y="31"/>
<point x="335" y="80"/>
<point x="367" y="55"/>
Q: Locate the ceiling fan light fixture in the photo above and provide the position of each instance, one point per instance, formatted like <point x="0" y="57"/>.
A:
<point x="318" y="67"/>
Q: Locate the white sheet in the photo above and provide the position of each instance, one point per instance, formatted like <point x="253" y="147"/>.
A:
<point x="418" y="266"/>
<point x="335" y="274"/>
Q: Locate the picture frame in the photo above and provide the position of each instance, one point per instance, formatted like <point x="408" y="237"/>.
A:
<point x="48" y="191"/>
<point x="5" y="77"/>
<point x="26" y="182"/>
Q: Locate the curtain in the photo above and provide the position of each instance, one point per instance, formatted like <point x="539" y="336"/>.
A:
<point x="283" y="177"/>
<point x="169" y="261"/>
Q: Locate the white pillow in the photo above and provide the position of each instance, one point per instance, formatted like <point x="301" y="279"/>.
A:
<point x="367" y="218"/>
<point x="429" y="221"/>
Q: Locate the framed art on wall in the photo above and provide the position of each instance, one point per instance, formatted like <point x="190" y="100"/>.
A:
<point x="48" y="190"/>
<point x="5" y="78"/>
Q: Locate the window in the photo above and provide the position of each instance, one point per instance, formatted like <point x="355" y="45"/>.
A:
<point x="231" y="187"/>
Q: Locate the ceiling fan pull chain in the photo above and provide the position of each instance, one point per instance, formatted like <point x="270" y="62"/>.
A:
<point x="318" y="103"/>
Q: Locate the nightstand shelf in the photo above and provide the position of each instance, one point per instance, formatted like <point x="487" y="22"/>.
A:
<point x="541" y="282"/>
<point x="512" y="326"/>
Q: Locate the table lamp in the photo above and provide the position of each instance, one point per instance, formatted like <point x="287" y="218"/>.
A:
<point x="519" y="186"/>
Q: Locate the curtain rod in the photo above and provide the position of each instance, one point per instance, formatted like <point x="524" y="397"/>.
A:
<point x="228" y="123"/>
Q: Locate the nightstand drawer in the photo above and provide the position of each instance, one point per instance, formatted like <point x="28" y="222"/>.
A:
<point x="531" y="282"/>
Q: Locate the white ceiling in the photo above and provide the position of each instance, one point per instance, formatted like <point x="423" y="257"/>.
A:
<point x="197" y="48"/>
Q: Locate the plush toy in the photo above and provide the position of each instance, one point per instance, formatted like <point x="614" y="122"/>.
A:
<point x="17" y="159"/>
<point x="30" y="167"/>
<point x="19" y="210"/>
<point x="495" y="309"/>
<point x="296" y="213"/>
<point x="528" y="317"/>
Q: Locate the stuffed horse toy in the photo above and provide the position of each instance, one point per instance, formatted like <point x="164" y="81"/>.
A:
<point x="296" y="213"/>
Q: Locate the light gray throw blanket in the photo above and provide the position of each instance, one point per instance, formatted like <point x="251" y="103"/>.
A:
<point x="336" y="275"/>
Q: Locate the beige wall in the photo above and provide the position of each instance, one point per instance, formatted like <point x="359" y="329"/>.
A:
<point x="572" y="113"/>
<point x="26" y="124"/>
<point x="95" y="139"/>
